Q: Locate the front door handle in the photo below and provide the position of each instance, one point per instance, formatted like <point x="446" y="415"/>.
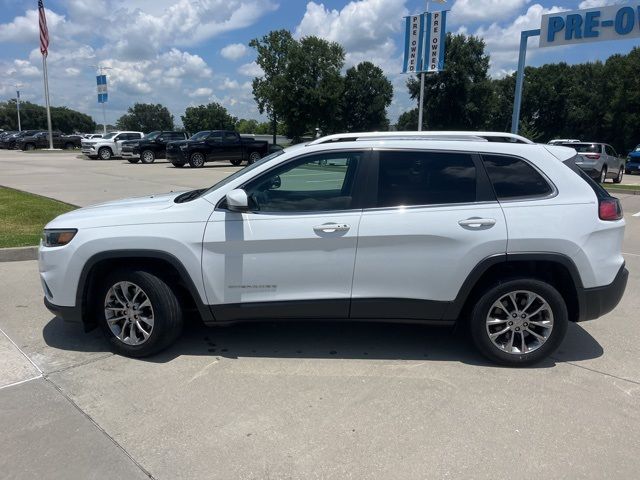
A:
<point x="332" y="228"/>
<point x="477" y="222"/>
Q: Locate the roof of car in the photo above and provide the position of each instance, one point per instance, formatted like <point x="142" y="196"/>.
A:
<point x="453" y="135"/>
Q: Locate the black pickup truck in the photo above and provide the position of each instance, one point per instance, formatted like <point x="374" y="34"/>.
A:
<point x="151" y="146"/>
<point x="215" y="145"/>
<point x="41" y="140"/>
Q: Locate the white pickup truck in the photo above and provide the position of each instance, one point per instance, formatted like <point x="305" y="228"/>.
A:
<point x="108" y="146"/>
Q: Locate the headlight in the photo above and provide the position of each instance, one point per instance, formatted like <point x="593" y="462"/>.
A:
<point x="58" y="238"/>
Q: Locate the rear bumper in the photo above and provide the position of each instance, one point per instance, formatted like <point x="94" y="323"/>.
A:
<point x="68" y="314"/>
<point x="596" y="302"/>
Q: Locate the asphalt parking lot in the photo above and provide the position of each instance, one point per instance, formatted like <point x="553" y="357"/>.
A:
<point x="287" y="400"/>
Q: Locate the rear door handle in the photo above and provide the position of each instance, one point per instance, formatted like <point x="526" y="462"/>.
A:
<point x="332" y="228"/>
<point x="477" y="222"/>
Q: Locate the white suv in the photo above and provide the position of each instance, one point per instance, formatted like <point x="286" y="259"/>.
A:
<point x="109" y="145"/>
<point x="510" y="240"/>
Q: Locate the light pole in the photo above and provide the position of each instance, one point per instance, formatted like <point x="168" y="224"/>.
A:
<point x="18" y="105"/>
<point x="101" y="69"/>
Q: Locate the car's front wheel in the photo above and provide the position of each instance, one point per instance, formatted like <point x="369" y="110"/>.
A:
<point x="254" y="157"/>
<point x="147" y="156"/>
<point x="603" y="174"/>
<point x="140" y="314"/>
<point x="618" y="178"/>
<point x="519" y="322"/>
<point x="105" y="153"/>
<point x="196" y="160"/>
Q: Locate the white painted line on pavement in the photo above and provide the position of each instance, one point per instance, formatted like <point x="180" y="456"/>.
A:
<point x="20" y="350"/>
<point x="20" y="382"/>
<point x="636" y="214"/>
<point x="632" y="254"/>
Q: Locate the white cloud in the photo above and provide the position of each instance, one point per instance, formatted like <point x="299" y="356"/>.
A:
<point x="251" y="69"/>
<point x="483" y="10"/>
<point x="597" y="3"/>
<point x="234" y="51"/>
<point x="201" y="92"/>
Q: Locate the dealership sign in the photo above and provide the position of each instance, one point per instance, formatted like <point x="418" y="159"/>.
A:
<point x="425" y="36"/>
<point x="103" y="95"/>
<point x="616" y="22"/>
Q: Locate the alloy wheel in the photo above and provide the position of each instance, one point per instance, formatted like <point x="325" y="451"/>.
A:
<point x="129" y="313"/>
<point x="147" y="156"/>
<point x="519" y="322"/>
<point x="197" y="160"/>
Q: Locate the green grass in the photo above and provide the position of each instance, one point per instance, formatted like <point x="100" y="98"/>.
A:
<point x="23" y="215"/>
<point x="619" y="186"/>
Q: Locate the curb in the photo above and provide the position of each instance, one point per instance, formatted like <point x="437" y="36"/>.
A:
<point x="18" y="254"/>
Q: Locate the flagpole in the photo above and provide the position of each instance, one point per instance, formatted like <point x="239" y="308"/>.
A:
<point x="422" y="74"/>
<point x="46" y="99"/>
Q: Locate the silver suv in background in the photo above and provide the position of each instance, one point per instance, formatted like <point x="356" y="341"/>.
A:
<point x="599" y="160"/>
<point x="110" y="145"/>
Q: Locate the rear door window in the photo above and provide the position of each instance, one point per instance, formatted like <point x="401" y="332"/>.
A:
<point x="513" y="178"/>
<point x="425" y="178"/>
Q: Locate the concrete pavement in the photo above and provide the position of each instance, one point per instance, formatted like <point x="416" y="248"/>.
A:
<point x="312" y="401"/>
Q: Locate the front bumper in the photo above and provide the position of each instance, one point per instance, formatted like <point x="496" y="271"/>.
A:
<point x="68" y="314"/>
<point x="598" y="301"/>
<point x="632" y="167"/>
<point x="130" y="154"/>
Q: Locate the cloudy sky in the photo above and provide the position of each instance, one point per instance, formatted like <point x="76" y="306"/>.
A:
<point x="189" y="52"/>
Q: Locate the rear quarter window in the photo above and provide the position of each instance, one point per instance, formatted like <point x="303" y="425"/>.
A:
<point x="513" y="178"/>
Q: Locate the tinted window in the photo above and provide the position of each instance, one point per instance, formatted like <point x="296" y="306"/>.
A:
<point x="316" y="183"/>
<point x="610" y="151"/>
<point x="425" y="178"/>
<point x="215" y="137"/>
<point x="584" y="147"/>
<point x="230" y="137"/>
<point x="515" y="178"/>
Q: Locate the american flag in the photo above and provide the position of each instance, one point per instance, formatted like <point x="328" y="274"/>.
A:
<point x="44" y="31"/>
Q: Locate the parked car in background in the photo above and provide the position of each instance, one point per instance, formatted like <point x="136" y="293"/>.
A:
<point x="216" y="145"/>
<point x="151" y="146"/>
<point x="9" y="142"/>
<point x="110" y="145"/>
<point x="404" y="230"/>
<point x="633" y="161"/>
<point x="41" y="140"/>
<point x="92" y="135"/>
<point x="7" y="133"/>
<point x="599" y="160"/>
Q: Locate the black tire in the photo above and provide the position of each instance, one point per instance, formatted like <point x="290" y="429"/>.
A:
<point x="253" y="157"/>
<point x="618" y="179"/>
<point x="478" y="322"/>
<point x="133" y="160"/>
<point x="105" y="153"/>
<point x="236" y="161"/>
<point x="177" y="164"/>
<point x="196" y="160"/>
<point x="69" y="146"/>
<point x="29" y="147"/>
<point x="167" y="313"/>
<point x="603" y="174"/>
<point x="147" y="156"/>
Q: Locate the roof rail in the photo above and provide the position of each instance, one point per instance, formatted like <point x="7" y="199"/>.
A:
<point x="426" y="135"/>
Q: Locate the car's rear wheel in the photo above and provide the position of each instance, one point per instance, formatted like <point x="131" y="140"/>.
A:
<point x="140" y="314"/>
<point x="603" y="174"/>
<point x="519" y="322"/>
<point x="147" y="156"/>
<point x="105" y="153"/>
<point x="618" y="178"/>
<point x="196" y="160"/>
<point x="254" y="157"/>
<point x="133" y="160"/>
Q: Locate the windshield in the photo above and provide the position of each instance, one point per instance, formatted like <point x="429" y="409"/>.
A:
<point x="200" y="135"/>
<point x="110" y="135"/>
<point x="584" y="147"/>
<point x="242" y="171"/>
<point x="152" y="135"/>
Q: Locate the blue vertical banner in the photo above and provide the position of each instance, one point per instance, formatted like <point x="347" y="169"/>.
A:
<point x="436" y="40"/>
<point x="101" y="81"/>
<point x="413" y="44"/>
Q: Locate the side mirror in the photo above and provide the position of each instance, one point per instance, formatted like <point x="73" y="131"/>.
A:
<point x="276" y="182"/>
<point x="237" y="200"/>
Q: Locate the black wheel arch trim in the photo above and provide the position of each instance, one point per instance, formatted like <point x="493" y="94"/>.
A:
<point x="81" y="292"/>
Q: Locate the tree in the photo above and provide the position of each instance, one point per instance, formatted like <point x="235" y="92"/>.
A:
<point x="269" y="90"/>
<point x="146" y="117"/>
<point x="247" y="126"/>
<point x="367" y="94"/>
<point x="408" y="121"/>
<point x="208" y="117"/>
<point x="457" y="98"/>
<point x="34" y="116"/>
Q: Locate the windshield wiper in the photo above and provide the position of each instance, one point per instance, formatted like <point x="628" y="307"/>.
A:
<point x="188" y="196"/>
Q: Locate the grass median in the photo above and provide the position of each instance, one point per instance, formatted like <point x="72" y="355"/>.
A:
<point x="23" y="215"/>
<point x="620" y="186"/>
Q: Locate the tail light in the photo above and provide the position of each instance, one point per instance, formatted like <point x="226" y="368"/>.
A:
<point x="593" y="156"/>
<point x="609" y="209"/>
